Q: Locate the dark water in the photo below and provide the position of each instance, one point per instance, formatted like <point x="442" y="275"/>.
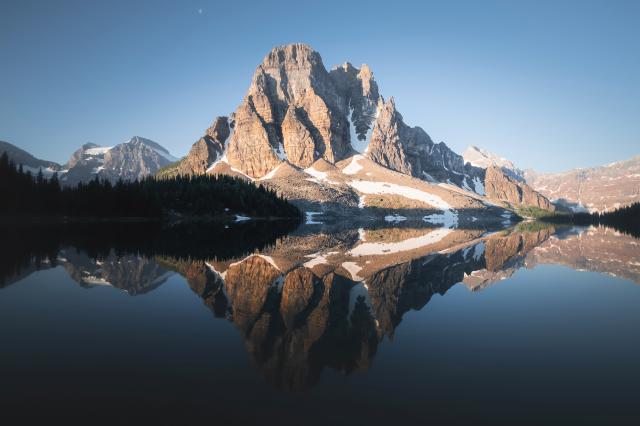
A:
<point x="249" y="325"/>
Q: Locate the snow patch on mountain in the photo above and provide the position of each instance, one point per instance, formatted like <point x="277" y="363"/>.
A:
<point x="353" y="167"/>
<point x="478" y="186"/>
<point x="379" y="249"/>
<point x="371" y="187"/>
<point x="319" y="176"/>
<point x="353" y="269"/>
<point x="101" y="150"/>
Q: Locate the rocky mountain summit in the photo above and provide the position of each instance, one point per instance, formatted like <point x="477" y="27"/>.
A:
<point x="300" y="123"/>
<point x="134" y="159"/>
<point x="479" y="157"/>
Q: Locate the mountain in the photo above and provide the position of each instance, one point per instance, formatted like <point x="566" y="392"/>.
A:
<point x="595" y="189"/>
<point x="28" y="161"/>
<point x="134" y="159"/>
<point x="332" y="143"/>
<point x="479" y="157"/>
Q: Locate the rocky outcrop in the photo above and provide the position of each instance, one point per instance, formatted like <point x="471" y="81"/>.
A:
<point x="360" y="92"/>
<point x="596" y="189"/>
<point x="502" y="188"/>
<point x="205" y="151"/>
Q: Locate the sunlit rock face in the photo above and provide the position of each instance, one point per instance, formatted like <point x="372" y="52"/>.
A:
<point x="501" y="187"/>
<point x="292" y="111"/>
<point x="203" y="153"/>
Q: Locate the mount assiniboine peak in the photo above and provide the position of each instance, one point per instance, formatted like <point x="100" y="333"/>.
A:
<point x="329" y="141"/>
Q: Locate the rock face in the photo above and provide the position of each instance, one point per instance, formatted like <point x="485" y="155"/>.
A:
<point x="290" y="87"/>
<point x="411" y="151"/>
<point x="134" y="159"/>
<point x="297" y="111"/>
<point x="28" y="161"/>
<point x="596" y="189"/>
<point x="500" y="187"/>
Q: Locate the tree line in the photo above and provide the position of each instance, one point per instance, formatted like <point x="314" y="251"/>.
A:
<point x="625" y="219"/>
<point x="24" y="194"/>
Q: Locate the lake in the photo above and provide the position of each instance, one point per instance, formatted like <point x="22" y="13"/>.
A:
<point x="267" y="323"/>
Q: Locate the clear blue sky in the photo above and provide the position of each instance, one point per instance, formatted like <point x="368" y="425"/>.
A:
<point x="550" y="85"/>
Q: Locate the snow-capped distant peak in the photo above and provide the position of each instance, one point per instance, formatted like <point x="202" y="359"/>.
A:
<point x="99" y="150"/>
<point x="479" y="157"/>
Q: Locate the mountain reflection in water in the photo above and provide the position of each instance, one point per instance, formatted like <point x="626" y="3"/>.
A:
<point x="309" y="301"/>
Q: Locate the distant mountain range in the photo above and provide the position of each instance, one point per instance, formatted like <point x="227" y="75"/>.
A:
<point x="134" y="159"/>
<point x="331" y="143"/>
<point x="595" y="189"/>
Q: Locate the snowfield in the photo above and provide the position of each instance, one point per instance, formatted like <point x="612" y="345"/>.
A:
<point x="377" y="249"/>
<point x="353" y="270"/>
<point x="372" y="187"/>
<point x="479" y="187"/>
<point x="353" y="166"/>
<point x="319" y="176"/>
<point x="317" y="259"/>
<point x="101" y="150"/>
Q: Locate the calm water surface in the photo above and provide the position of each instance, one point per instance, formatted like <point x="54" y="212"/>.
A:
<point x="266" y="324"/>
